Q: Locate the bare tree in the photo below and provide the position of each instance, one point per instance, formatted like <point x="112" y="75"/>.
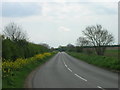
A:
<point x="82" y="41"/>
<point x="14" y="32"/>
<point x="99" y="37"/>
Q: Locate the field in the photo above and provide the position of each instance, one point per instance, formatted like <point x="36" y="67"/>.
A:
<point x="112" y="53"/>
<point x="108" y="61"/>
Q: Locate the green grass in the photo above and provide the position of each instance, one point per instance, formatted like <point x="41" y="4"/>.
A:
<point x="110" y="63"/>
<point x="18" y="80"/>
<point x="112" y="53"/>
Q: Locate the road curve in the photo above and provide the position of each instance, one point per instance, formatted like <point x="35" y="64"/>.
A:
<point x="64" y="71"/>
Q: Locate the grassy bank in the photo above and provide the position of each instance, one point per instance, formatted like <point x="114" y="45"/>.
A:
<point x="101" y="61"/>
<point x="112" y="53"/>
<point x="15" y="73"/>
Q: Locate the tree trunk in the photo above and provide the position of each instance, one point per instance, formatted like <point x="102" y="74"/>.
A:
<point x="100" y="50"/>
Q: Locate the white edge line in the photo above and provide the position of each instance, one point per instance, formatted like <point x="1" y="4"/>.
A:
<point x="80" y="77"/>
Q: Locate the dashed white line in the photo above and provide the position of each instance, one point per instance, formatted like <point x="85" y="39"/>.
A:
<point x="100" y="87"/>
<point x="65" y="65"/>
<point x="69" y="69"/>
<point x="80" y="77"/>
<point x="74" y="73"/>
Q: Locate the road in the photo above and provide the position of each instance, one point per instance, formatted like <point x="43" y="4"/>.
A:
<point x="64" y="71"/>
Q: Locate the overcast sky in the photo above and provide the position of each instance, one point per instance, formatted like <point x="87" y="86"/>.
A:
<point x="60" y="22"/>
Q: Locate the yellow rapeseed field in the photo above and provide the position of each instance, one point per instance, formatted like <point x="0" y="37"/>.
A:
<point x="9" y="67"/>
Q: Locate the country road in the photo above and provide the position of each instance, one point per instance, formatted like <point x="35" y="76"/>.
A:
<point x="64" y="71"/>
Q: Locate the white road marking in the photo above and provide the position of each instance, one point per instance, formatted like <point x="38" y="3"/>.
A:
<point x="69" y="69"/>
<point x="72" y="71"/>
<point x="100" y="87"/>
<point x="65" y="65"/>
<point x="80" y="77"/>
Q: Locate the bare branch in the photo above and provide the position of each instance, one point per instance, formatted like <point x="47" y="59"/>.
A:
<point x="98" y="36"/>
<point x="14" y="32"/>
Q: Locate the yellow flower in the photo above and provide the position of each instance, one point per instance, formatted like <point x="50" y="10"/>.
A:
<point x="8" y="66"/>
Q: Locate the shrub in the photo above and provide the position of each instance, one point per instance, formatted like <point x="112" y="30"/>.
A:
<point x="8" y="67"/>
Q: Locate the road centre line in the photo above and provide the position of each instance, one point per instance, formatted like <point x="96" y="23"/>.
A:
<point x="64" y="63"/>
<point x="72" y="71"/>
<point x="67" y="66"/>
<point x="80" y="77"/>
<point x="69" y="69"/>
<point x="100" y="87"/>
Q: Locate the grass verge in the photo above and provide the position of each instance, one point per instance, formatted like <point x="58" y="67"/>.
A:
<point x="18" y="79"/>
<point x="112" y="53"/>
<point x="110" y="63"/>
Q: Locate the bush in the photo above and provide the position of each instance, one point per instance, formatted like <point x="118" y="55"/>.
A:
<point x="20" y="49"/>
<point x="9" y="67"/>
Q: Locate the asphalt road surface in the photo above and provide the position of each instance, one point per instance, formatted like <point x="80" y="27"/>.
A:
<point x="64" y="71"/>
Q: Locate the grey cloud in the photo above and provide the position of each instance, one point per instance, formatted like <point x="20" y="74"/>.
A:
<point x="15" y="9"/>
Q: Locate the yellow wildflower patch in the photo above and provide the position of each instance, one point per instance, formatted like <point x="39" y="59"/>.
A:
<point x="9" y="67"/>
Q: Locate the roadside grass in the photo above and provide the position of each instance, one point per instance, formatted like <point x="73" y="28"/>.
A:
<point x="18" y="79"/>
<point x="110" y="63"/>
<point x="112" y="53"/>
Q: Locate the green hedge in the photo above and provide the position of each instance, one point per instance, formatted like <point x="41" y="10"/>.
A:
<point x="11" y="50"/>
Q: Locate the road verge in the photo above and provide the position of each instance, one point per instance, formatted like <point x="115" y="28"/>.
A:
<point x="100" y="61"/>
<point x="17" y="76"/>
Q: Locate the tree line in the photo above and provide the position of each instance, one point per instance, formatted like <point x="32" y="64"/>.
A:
<point x="95" y="38"/>
<point x="15" y="44"/>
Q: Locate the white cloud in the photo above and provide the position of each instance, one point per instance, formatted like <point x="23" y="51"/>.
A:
<point x="103" y="0"/>
<point x="64" y="29"/>
<point x="67" y="21"/>
<point x="60" y="1"/>
<point x="71" y="10"/>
